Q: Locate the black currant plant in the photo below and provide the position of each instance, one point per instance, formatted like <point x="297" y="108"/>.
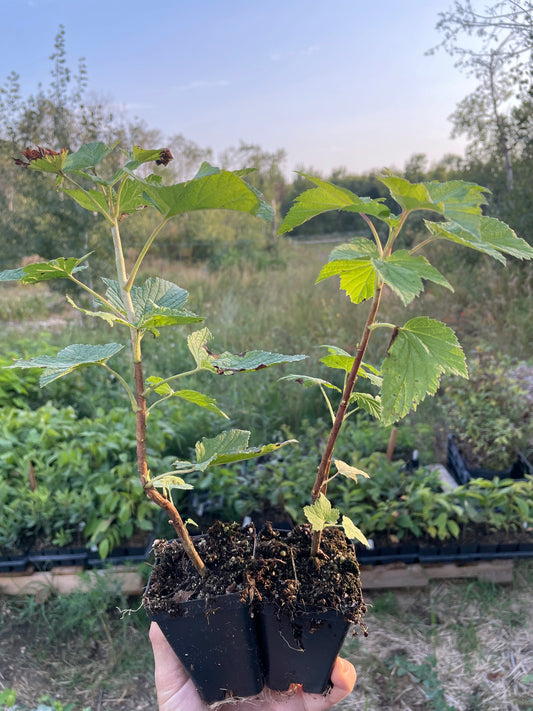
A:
<point x="142" y="309"/>
<point x="422" y="349"/>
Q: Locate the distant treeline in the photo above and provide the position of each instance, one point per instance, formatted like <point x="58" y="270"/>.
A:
<point x="35" y="220"/>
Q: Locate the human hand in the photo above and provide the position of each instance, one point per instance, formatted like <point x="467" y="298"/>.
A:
<point x="176" y="691"/>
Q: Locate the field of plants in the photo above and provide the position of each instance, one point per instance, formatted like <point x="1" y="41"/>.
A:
<point x="64" y="459"/>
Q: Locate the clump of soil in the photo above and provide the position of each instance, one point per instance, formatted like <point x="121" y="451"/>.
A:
<point x="272" y="567"/>
<point x="284" y="573"/>
<point x="226" y="551"/>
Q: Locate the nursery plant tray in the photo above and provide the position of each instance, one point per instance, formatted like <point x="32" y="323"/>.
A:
<point x="13" y="563"/>
<point x="48" y="559"/>
<point x="460" y="554"/>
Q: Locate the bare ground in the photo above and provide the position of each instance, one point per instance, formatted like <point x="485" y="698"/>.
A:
<point x="465" y="646"/>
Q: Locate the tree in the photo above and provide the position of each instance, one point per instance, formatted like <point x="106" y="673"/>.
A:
<point x="494" y="46"/>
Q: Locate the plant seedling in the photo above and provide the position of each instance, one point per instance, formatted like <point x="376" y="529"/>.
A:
<point x="421" y="350"/>
<point x="141" y="309"/>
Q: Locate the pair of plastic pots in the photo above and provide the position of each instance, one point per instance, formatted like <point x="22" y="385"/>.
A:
<point x="232" y="651"/>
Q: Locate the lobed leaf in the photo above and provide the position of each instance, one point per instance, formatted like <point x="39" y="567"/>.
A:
<point x="348" y="471"/>
<point x="191" y="396"/>
<point x="60" y="268"/>
<point x="229" y="363"/>
<point x="227" y="447"/>
<point x="325" y="198"/>
<point x="368" y="403"/>
<point x="74" y="356"/>
<point x="421" y="352"/>
<point x="351" y="531"/>
<point x="156" y="303"/>
<point x="221" y="190"/>
<point x="456" y="200"/>
<point x="321" y="514"/>
<point x="495" y="238"/>
<point x="404" y="274"/>
<point x="308" y="381"/>
<point x="88" y="156"/>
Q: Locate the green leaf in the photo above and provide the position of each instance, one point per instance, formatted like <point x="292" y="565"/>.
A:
<point x="88" y="156"/>
<point x="404" y="274"/>
<point x="206" y="169"/>
<point x="455" y="233"/>
<point x="421" y="352"/>
<point x="348" y="471"/>
<point x="501" y="237"/>
<point x="357" y="278"/>
<point x="170" y="481"/>
<point x="458" y="201"/>
<point x="368" y="403"/>
<point x="320" y="514"/>
<point x="12" y="274"/>
<point x="141" y="155"/>
<point x="353" y="263"/>
<point x="308" y="381"/>
<point x="103" y="548"/>
<point x="92" y="200"/>
<point x="61" y="268"/>
<point x="106" y="316"/>
<point x="326" y="197"/>
<point x="341" y="360"/>
<point x="132" y="196"/>
<point x="351" y="531"/>
<point x="52" y="163"/>
<point x="223" y="191"/>
<point x="227" y="447"/>
<point x="156" y="303"/>
<point x="230" y="363"/>
<point x="74" y="356"/>
<point x="191" y="396"/>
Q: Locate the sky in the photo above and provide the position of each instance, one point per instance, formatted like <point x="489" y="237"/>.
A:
<point x="337" y="84"/>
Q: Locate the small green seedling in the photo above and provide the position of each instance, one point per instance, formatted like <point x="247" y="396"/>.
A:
<point x="421" y="350"/>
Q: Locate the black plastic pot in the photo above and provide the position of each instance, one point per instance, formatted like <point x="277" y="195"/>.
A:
<point x="300" y="651"/>
<point x="216" y="641"/>
<point x="462" y="474"/>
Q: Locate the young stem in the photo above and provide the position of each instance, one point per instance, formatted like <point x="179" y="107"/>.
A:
<point x="142" y="461"/>
<point x="320" y="484"/>
<point x="151" y="492"/>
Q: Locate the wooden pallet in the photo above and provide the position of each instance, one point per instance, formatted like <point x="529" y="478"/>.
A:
<point x="68" y="579"/>
<point x="391" y="575"/>
<point x="401" y="575"/>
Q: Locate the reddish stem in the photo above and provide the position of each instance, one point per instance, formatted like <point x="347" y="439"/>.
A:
<point x="320" y="485"/>
<point x="152" y="492"/>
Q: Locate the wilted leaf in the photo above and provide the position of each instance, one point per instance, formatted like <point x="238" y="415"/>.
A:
<point x="170" y="481"/>
<point x="351" y="531"/>
<point x="348" y="471"/>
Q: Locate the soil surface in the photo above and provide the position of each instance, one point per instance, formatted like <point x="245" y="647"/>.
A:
<point x="273" y="566"/>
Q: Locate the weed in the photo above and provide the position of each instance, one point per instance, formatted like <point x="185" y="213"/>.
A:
<point x="424" y="674"/>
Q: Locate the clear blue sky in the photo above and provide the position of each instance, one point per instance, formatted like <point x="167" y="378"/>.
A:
<point x="338" y="83"/>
